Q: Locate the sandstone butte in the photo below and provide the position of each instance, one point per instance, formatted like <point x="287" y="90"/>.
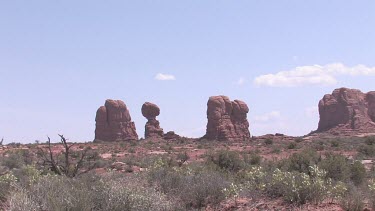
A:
<point x="347" y="112"/>
<point x="152" y="127"/>
<point x="113" y="122"/>
<point x="227" y="120"/>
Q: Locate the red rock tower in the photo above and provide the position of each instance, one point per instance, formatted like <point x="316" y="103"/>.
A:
<point x="113" y="122"/>
<point x="152" y="127"/>
<point x="227" y="120"/>
<point x="347" y="111"/>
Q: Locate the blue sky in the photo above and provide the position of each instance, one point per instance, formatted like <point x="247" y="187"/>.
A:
<point x="60" y="60"/>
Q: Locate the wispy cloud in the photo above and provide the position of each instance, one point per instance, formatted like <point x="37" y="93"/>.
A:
<point x="312" y="75"/>
<point x="241" y="81"/>
<point x="273" y="115"/>
<point x="165" y="77"/>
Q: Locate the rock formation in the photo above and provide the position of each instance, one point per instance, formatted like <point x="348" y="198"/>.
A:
<point x="227" y="120"/>
<point x="347" y="111"/>
<point x="113" y="122"/>
<point x="152" y="127"/>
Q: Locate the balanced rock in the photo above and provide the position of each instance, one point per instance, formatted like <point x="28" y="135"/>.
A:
<point x="113" y="122"/>
<point x="347" y="111"/>
<point x="152" y="127"/>
<point x="227" y="120"/>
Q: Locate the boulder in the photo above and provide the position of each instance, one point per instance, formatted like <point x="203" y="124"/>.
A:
<point x="152" y="127"/>
<point x="113" y="122"/>
<point x="227" y="120"/>
<point x="347" y="111"/>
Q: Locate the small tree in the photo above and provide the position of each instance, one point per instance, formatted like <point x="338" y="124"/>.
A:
<point x="69" y="163"/>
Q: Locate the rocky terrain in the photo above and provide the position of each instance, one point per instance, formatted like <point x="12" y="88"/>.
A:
<point x="227" y="169"/>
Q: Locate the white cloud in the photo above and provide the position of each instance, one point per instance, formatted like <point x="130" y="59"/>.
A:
<point x="164" y="77"/>
<point x="312" y="111"/>
<point x="273" y="115"/>
<point x="312" y="75"/>
<point x="241" y="81"/>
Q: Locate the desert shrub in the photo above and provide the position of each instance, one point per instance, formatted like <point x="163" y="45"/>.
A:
<point x="182" y="158"/>
<point x="6" y="181"/>
<point x="194" y="187"/>
<point x="298" y="140"/>
<point x="353" y="200"/>
<point x="357" y="173"/>
<point x="203" y="188"/>
<point x="294" y="187"/>
<point x="367" y="150"/>
<point x="88" y="193"/>
<point x="268" y="141"/>
<point x="371" y="187"/>
<point x="226" y="160"/>
<point x="370" y="140"/>
<point x="300" y="161"/>
<point x="13" y="160"/>
<point x="292" y="145"/>
<point x="252" y="158"/>
<point x="27" y="175"/>
<point x="335" y="143"/>
<point x="337" y="166"/>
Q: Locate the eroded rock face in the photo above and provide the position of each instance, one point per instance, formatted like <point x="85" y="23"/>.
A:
<point x="347" y="110"/>
<point x="371" y="105"/>
<point x="227" y="120"/>
<point x="152" y="127"/>
<point x="113" y="122"/>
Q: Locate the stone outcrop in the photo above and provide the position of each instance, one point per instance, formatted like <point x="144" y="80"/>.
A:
<point x="152" y="127"/>
<point x="347" y="111"/>
<point x="113" y="122"/>
<point x="171" y="135"/>
<point x="227" y="120"/>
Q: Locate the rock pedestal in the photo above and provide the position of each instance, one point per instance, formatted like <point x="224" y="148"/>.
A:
<point x="113" y="122"/>
<point x="152" y="127"/>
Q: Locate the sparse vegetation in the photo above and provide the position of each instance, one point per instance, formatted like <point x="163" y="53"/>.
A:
<point x="166" y="181"/>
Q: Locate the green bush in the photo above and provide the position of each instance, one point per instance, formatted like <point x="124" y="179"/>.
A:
<point x="367" y="150"/>
<point x="88" y="193"/>
<point x="195" y="188"/>
<point x="227" y="160"/>
<point x="300" y="162"/>
<point x="17" y="158"/>
<point x="353" y="200"/>
<point x="337" y="167"/>
<point x="252" y="158"/>
<point x="357" y="173"/>
<point x="370" y="140"/>
<point x="335" y="143"/>
<point x="292" y="145"/>
<point x="268" y="141"/>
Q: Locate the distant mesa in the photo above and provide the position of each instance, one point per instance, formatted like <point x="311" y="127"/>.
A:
<point x="227" y="120"/>
<point x="113" y="122"/>
<point x="347" y="111"/>
<point x="152" y="127"/>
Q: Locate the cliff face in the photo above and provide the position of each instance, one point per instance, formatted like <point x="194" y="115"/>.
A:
<point x="113" y="122"/>
<point x="227" y="120"/>
<point x="347" y="110"/>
